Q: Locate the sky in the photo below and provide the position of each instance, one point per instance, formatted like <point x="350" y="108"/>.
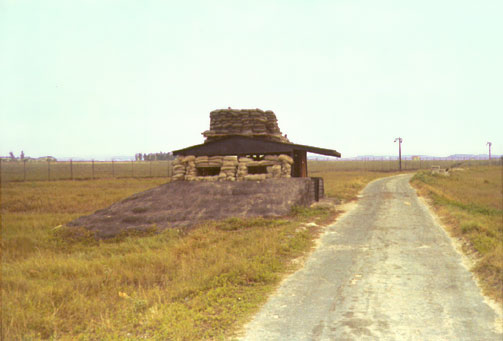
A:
<point x="104" y="78"/>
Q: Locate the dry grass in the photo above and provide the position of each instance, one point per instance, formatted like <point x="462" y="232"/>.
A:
<point x="345" y="185"/>
<point x="82" y="170"/>
<point x="470" y="203"/>
<point x="170" y="285"/>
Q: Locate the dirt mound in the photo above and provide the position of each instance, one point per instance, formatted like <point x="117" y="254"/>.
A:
<point x="185" y="203"/>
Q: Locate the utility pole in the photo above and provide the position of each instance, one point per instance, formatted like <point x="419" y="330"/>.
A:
<point x="399" y="139"/>
<point x="489" y="144"/>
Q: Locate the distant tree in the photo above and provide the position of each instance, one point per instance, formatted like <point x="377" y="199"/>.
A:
<point x="144" y="157"/>
<point x="12" y="157"/>
<point x="22" y="155"/>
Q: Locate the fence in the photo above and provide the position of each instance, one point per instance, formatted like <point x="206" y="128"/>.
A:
<point x="383" y="165"/>
<point x="81" y="170"/>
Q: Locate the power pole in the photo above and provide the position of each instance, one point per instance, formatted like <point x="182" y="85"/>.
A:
<point x="489" y="144"/>
<point x="399" y="139"/>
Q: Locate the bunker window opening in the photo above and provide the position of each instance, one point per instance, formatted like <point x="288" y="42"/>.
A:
<point x="208" y="171"/>
<point x="257" y="170"/>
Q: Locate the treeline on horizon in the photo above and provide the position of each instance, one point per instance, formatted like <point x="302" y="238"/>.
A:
<point x="154" y="156"/>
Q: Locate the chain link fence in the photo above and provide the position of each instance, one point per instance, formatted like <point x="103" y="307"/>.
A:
<point x="24" y="170"/>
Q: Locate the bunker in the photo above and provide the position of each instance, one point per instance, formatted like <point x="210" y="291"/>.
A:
<point x="246" y="145"/>
<point x="245" y="168"/>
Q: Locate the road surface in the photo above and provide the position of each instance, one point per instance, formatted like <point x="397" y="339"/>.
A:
<point x="384" y="271"/>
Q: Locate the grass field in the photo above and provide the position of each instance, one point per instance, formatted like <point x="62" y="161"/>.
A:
<point x="171" y="285"/>
<point x="470" y="203"/>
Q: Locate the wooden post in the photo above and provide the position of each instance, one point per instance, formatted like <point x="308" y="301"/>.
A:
<point x="24" y="170"/>
<point x="71" y="169"/>
<point x="150" y="164"/>
<point x="113" y="169"/>
<point x="92" y="163"/>
<point x="299" y="168"/>
<point x="400" y="155"/>
<point x="48" y="170"/>
<point x="132" y="168"/>
<point x="399" y="139"/>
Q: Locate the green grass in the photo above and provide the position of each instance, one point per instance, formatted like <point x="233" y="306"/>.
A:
<point x="470" y="203"/>
<point x="174" y="284"/>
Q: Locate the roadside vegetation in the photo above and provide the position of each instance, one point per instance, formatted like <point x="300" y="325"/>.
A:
<point x="470" y="203"/>
<point x="343" y="186"/>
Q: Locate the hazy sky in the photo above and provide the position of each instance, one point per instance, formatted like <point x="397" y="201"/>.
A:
<point x="85" y="78"/>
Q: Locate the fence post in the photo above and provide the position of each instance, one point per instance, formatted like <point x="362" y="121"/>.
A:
<point x="48" y="170"/>
<point x="24" y="170"/>
<point x="132" y="168"/>
<point x="150" y="164"/>
<point x="113" y="169"/>
<point x="71" y="169"/>
<point x="92" y="163"/>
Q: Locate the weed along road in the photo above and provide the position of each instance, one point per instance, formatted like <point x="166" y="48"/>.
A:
<point x="384" y="271"/>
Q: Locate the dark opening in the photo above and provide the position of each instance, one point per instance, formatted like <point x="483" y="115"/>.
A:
<point x="257" y="170"/>
<point x="208" y="171"/>
<point x="257" y="157"/>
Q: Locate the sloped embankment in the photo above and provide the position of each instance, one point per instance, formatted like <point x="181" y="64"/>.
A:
<point x="184" y="203"/>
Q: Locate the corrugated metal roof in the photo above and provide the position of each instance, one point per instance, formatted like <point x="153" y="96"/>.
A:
<point x="241" y="145"/>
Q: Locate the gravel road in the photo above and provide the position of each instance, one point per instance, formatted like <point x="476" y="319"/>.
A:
<point x="384" y="271"/>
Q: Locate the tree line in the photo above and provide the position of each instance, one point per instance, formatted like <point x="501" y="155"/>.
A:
<point x="154" y="156"/>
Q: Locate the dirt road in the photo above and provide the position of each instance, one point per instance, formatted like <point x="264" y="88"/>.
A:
<point x="384" y="271"/>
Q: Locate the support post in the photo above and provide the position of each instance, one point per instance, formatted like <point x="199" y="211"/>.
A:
<point x="399" y="139"/>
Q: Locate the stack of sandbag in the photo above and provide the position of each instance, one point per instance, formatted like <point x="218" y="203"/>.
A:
<point x="286" y="165"/>
<point x="256" y="177"/>
<point x="243" y="167"/>
<point x="229" y="166"/>
<point x="247" y="122"/>
<point x="190" y="168"/>
<point x="178" y="169"/>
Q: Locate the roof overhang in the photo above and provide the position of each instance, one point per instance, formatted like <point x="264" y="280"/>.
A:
<point x="241" y="145"/>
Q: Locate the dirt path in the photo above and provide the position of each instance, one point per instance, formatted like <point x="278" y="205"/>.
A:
<point x="384" y="271"/>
